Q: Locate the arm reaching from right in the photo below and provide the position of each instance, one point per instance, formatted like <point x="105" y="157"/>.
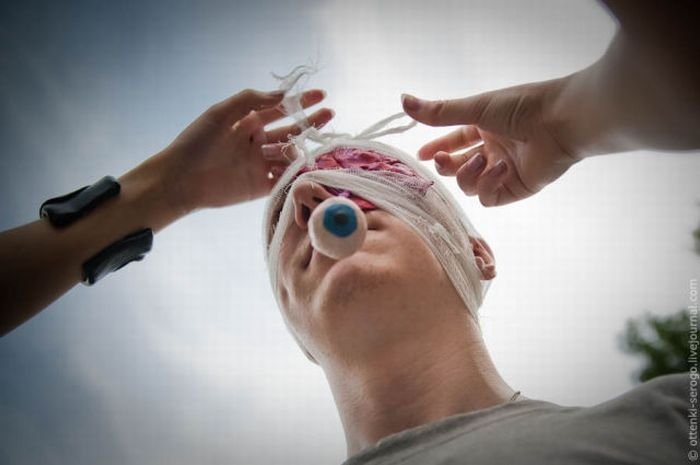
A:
<point x="643" y="93"/>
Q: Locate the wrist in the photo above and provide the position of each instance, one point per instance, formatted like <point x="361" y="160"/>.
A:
<point x="152" y="194"/>
<point x="581" y="117"/>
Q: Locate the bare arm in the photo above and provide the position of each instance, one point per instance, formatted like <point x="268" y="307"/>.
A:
<point x="41" y="263"/>
<point x="216" y="161"/>
<point x="642" y="93"/>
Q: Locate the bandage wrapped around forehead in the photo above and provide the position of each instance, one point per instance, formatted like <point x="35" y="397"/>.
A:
<point x="373" y="175"/>
<point x="393" y="182"/>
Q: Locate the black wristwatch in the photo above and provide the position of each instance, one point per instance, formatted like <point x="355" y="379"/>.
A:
<point x="65" y="210"/>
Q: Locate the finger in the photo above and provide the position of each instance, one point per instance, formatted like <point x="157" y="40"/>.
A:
<point x="317" y="120"/>
<point x="254" y="125"/>
<point x="272" y="152"/>
<point x="280" y="152"/>
<point x="307" y="99"/>
<point x="448" y="164"/>
<point x="236" y="107"/>
<point x="455" y="140"/>
<point x="277" y="170"/>
<point x="468" y="174"/>
<point x="274" y="173"/>
<point x="490" y="185"/>
<point x="447" y="112"/>
<point x="251" y="126"/>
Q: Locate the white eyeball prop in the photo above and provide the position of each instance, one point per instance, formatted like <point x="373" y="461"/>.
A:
<point x="337" y="228"/>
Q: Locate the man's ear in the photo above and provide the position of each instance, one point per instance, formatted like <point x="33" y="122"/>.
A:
<point x="483" y="255"/>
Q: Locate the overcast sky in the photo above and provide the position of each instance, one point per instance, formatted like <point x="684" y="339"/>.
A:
<point x="183" y="358"/>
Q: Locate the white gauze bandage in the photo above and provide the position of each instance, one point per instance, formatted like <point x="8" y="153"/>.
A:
<point x="433" y="213"/>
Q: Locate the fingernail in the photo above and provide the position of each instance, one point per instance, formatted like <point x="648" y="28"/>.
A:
<point x="269" y="150"/>
<point x="276" y="93"/>
<point x="476" y="163"/>
<point x="440" y="158"/>
<point x="410" y="102"/>
<point x="498" y="169"/>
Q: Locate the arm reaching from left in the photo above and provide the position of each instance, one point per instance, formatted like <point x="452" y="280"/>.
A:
<point x="216" y="161"/>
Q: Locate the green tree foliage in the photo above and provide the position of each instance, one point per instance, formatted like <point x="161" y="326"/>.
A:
<point x="662" y="341"/>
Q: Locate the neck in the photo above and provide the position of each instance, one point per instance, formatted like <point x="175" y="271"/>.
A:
<point x="413" y="383"/>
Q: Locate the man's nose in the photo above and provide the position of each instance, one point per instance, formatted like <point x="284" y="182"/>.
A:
<point x="307" y="196"/>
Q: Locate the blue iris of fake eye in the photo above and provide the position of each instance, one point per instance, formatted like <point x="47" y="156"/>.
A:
<point x="337" y="228"/>
<point x="340" y="220"/>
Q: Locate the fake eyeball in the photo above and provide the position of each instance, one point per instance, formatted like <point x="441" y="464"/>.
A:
<point x="337" y="228"/>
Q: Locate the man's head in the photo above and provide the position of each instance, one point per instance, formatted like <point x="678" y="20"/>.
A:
<point x="421" y="259"/>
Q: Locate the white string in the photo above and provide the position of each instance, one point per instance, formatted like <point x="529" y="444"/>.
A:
<point x="291" y="105"/>
<point x="376" y="130"/>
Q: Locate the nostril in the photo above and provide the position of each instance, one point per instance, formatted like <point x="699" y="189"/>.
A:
<point x="318" y="199"/>
<point x="305" y="213"/>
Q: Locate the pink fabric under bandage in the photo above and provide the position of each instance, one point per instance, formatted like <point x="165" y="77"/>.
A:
<point x="369" y="160"/>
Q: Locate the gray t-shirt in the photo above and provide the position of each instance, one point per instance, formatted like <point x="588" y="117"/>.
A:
<point x="647" y="425"/>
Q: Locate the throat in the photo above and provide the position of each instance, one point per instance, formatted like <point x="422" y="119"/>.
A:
<point x="406" y="388"/>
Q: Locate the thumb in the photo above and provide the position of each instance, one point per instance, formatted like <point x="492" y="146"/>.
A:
<point x="468" y="110"/>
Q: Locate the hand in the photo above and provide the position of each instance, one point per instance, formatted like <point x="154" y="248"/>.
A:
<point x="217" y="160"/>
<point x="517" y="154"/>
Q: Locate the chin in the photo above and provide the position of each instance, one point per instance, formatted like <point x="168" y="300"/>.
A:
<point x="360" y="300"/>
<point x="360" y="280"/>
